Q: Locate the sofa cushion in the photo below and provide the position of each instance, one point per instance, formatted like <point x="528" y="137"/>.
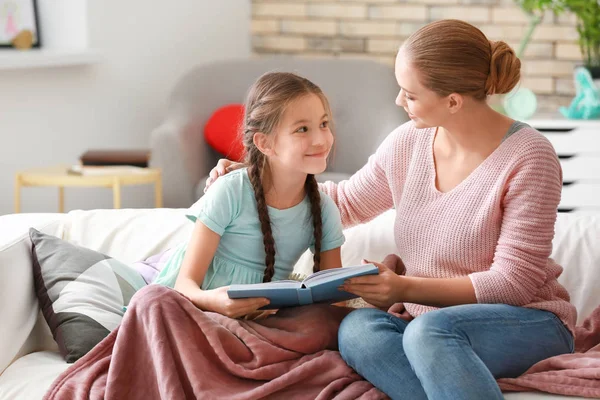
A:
<point x="82" y="293"/>
<point x="31" y="376"/>
<point x="576" y="248"/>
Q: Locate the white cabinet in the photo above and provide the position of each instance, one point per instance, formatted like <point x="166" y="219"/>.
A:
<point x="577" y="144"/>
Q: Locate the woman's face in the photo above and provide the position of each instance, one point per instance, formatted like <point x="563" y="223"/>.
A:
<point x="425" y="107"/>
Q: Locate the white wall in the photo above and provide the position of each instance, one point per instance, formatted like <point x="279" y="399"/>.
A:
<point x="52" y="115"/>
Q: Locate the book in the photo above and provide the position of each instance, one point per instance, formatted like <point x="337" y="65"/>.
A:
<point x="320" y="287"/>
<point x="136" y="158"/>
<point x="105" y="170"/>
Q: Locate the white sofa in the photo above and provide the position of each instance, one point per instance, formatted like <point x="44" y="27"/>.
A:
<point x="29" y="360"/>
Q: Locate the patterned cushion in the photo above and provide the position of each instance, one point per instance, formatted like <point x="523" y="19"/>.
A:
<point x="82" y="293"/>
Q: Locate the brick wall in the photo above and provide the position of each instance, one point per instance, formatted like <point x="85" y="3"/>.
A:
<point x="374" y="29"/>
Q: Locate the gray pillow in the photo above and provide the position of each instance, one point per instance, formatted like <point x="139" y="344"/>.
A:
<point x="82" y="293"/>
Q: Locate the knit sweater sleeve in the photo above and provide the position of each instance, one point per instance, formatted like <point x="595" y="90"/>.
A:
<point x="531" y="197"/>
<point x="367" y="193"/>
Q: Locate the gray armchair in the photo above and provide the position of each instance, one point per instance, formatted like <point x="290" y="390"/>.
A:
<point x="361" y="93"/>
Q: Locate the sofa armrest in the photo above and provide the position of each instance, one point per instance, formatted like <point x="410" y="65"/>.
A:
<point x="179" y="150"/>
<point x="18" y="303"/>
<point x="167" y="153"/>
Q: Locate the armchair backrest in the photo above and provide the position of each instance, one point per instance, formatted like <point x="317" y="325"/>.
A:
<point x="361" y="92"/>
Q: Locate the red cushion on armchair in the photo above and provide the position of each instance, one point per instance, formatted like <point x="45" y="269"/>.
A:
<point x="222" y="131"/>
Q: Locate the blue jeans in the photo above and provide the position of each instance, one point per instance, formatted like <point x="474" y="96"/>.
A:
<point x="450" y="353"/>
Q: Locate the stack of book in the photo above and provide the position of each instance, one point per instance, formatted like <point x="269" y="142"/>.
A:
<point x="135" y="158"/>
<point x="103" y="162"/>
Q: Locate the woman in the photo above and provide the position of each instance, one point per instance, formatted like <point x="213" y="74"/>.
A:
<point x="476" y="197"/>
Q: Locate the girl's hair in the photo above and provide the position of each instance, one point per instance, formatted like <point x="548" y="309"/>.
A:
<point x="453" y="56"/>
<point x="267" y="100"/>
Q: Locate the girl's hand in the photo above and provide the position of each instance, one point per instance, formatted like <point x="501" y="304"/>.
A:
<point x="220" y="302"/>
<point x="381" y="290"/>
<point x="223" y="167"/>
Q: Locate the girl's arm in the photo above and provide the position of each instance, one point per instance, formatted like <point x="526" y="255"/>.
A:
<point x="331" y="259"/>
<point x="200" y="252"/>
<point x="333" y="235"/>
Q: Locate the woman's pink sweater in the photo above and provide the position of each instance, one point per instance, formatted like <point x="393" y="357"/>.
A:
<point x="496" y="226"/>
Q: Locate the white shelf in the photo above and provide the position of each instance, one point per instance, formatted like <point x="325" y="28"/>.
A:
<point x="43" y="58"/>
<point x="558" y="121"/>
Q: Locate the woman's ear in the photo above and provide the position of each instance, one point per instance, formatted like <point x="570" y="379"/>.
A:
<point x="263" y="143"/>
<point x="455" y="102"/>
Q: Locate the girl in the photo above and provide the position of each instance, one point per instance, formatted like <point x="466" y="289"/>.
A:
<point x="254" y="225"/>
<point x="476" y="197"/>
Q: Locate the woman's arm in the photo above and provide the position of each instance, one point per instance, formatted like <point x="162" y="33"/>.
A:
<point x="529" y="208"/>
<point x="518" y="270"/>
<point x="439" y="292"/>
<point x="368" y="192"/>
<point x="360" y="198"/>
<point x="363" y="196"/>
<point x="200" y="252"/>
<point x="388" y="288"/>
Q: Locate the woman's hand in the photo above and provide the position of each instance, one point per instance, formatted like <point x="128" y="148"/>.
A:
<point x="223" y="167"/>
<point x="381" y="290"/>
<point x="395" y="263"/>
<point x="259" y="314"/>
<point x="391" y="286"/>
<point x="217" y="300"/>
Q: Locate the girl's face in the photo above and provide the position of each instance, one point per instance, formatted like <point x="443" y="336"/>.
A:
<point x="425" y="107"/>
<point x="302" y="140"/>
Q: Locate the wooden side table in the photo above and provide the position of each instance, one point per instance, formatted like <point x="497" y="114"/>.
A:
<point x="60" y="178"/>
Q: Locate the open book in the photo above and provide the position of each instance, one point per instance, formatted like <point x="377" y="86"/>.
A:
<point x="320" y="287"/>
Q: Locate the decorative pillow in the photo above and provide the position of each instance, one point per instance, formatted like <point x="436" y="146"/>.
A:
<point x="82" y="293"/>
<point x="222" y="131"/>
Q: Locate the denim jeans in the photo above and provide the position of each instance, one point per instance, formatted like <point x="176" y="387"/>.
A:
<point x="450" y="353"/>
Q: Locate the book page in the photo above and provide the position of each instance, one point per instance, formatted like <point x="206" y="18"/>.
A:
<point x="329" y="272"/>
<point x="270" y="285"/>
<point x="336" y="273"/>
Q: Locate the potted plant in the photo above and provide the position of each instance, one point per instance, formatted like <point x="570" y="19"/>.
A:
<point x="521" y="102"/>
<point x="588" y="27"/>
<point x="536" y="9"/>
<point x="586" y="104"/>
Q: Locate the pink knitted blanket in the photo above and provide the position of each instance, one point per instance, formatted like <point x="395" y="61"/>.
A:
<point x="171" y="350"/>
<point x="575" y="374"/>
